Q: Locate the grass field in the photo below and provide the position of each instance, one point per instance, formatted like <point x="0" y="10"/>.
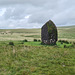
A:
<point x="66" y="33"/>
<point x="32" y="58"/>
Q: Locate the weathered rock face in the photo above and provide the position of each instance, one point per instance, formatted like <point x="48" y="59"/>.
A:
<point x="49" y="33"/>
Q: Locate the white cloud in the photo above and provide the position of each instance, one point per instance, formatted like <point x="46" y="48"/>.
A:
<point x="26" y="17"/>
<point x="2" y="11"/>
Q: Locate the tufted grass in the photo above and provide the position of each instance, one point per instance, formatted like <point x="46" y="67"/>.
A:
<point x="31" y="58"/>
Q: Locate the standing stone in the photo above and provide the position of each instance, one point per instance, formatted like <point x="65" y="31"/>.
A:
<point x="49" y="33"/>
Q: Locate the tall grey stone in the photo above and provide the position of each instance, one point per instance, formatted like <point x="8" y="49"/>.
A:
<point x="49" y="33"/>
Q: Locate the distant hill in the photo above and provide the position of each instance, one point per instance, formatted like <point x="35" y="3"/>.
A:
<point x="73" y="26"/>
<point x="65" y="32"/>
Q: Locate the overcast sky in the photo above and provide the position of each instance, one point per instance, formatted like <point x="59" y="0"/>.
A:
<point x="35" y="13"/>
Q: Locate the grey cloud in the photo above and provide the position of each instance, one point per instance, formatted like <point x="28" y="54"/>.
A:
<point x="40" y="17"/>
<point x="65" y="17"/>
<point x="62" y="12"/>
<point x="14" y="13"/>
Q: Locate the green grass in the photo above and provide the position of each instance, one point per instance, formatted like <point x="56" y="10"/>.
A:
<point x="31" y="58"/>
<point x="32" y="43"/>
<point x="34" y="36"/>
<point x="64" y="44"/>
<point x="66" y="32"/>
<point x="58" y="44"/>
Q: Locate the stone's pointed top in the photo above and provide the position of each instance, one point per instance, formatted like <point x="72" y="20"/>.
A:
<point x="50" y="21"/>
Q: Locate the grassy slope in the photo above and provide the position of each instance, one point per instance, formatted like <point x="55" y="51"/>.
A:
<point x="19" y="34"/>
<point x="67" y="33"/>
